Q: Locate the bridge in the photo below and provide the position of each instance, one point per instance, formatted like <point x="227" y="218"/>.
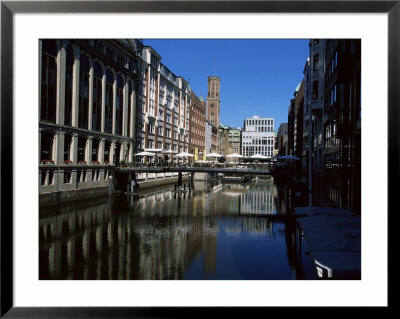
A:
<point x="127" y="173"/>
<point x="194" y="169"/>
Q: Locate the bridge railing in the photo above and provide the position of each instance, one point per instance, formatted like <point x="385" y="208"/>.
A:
<point x="145" y="177"/>
<point x="261" y="166"/>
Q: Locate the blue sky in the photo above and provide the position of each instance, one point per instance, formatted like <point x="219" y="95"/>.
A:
<point x="258" y="77"/>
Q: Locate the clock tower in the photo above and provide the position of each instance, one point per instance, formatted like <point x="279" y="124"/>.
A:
<point x="213" y="106"/>
<point x="213" y="100"/>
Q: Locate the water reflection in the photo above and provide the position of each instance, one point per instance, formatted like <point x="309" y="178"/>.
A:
<point x="213" y="232"/>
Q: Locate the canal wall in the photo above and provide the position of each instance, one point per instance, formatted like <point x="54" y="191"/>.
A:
<point x="69" y="195"/>
<point x="89" y="190"/>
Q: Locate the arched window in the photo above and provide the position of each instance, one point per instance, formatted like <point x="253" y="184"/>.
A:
<point x="83" y="92"/>
<point x="119" y="105"/>
<point x="109" y="101"/>
<point x="49" y="81"/>
<point x="97" y="93"/>
<point x="69" y="64"/>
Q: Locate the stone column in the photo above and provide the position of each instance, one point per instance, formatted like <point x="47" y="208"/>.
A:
<point x="114" y="104"/>
<point x="75" y="87"/>
<point x="130" y="154"/>
<point x="89" y="145"/>
<point x="60" y="97"/>
<point x="122" y="152"/>
<point x="89" y="148"/>
<point x="133" y="113"/>
<point x="125" y="118"/>
<point x="40" y="83"/>
<point x="74" y="157"/>
<point x="112" y="152"/>
<point x="74" y="148"/>
<point x="100" y="155"/>
<point x="90" y="106"/>
<point x="103" y="101"/>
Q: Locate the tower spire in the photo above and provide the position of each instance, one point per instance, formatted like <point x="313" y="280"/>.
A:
<point x="214" y="66"/>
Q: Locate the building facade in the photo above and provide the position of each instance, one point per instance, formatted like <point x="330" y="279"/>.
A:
<point x="298" y="121"/>
<point x="235" y="139"/>
<point x="208" y="137"/>
<point x="258" y="136"/>
<point x="342" y="122"/>
<point x="197" y="127"/>
<point x="101" y="102"/>
<point x="163" y="108"/>
<point x="313" y="105"/>
<point x="88" y="103"/>
<point x="332" y="121"/>
<point x="282" y="140"/>
<point x="224" y="146"/>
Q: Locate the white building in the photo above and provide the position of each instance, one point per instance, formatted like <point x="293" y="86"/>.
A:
<point x="208" y="137"/>
<point x="258" y="136"/>
<point x="163" y="108"/>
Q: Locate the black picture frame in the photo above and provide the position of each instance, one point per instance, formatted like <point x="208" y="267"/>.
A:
<point x="9" y="8"/>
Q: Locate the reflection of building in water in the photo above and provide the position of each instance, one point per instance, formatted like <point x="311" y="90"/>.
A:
<point x="257" y="225"/>
<point x="158" y="239"/>
<point x="258" y="200"/>
<point x="67" y="239"/>
<point x="283" y="198"/>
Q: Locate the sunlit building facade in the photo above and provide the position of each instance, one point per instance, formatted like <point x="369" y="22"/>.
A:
<point x="101" y="102"/>
<point x="163" y="108"/>
<point x="258" y="136"/>
<point x="224" y="146"/>
<point x="197" y="127"/>
<point x="87" y="111"/>
<point x="235" y="139"/>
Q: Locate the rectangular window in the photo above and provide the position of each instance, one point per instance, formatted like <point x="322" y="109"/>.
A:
<point x="335" y="59"/>
<point x="315" y="90"/>
<point x="315" y="62"/>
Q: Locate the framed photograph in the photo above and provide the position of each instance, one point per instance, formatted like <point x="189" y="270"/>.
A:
<point x="36" y="275"/>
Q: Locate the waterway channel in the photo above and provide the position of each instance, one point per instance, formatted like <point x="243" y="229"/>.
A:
<point x="216" y="232"/>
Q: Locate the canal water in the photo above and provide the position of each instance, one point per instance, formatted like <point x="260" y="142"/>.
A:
<point x="214" y="232"/>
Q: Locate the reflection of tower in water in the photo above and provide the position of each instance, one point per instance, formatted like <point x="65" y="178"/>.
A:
<point x="210" y="230"/>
